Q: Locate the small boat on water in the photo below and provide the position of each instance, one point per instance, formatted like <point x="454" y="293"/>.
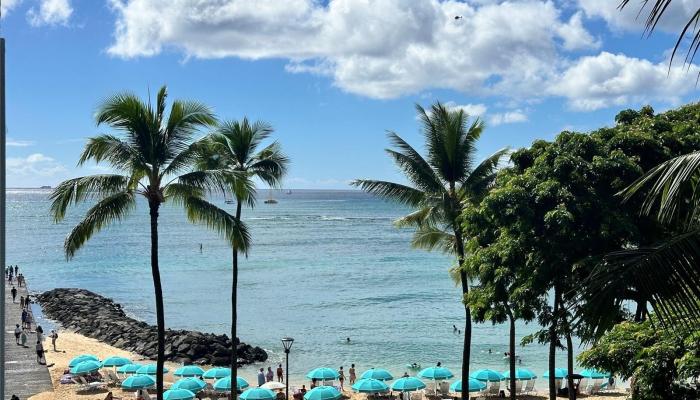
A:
<point x="289" y="191"/>
<point x="270" y="200"/>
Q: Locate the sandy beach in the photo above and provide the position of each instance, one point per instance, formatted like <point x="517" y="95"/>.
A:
<point x="70" y="344"/>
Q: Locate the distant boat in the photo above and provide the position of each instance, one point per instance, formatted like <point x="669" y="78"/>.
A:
<point x="227" y="200"/>
<point x="289" y="191"/>
<point x="270" y="200"/>
<point x="45" y="187"/>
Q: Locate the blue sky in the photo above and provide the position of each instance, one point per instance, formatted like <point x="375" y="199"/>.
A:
<point x="331" y="77"/>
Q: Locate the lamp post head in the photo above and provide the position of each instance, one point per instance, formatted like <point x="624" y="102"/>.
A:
<point x="287" y="343"/>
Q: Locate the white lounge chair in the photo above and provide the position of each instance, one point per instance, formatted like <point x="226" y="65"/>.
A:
<point x="112" y="379"/>
<point x="417" y="395"/>
<point x="90" y="386"/>
<point x="494" y="389"/>
<point x="444" y="387"/>
<point x="530" y="386"/>
<point x="594" y="387"/>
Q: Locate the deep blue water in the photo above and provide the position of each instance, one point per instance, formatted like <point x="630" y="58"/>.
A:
<point x="325" y="265"/>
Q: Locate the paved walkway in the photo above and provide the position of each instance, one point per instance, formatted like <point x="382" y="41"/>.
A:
<point x="23" y="375"/>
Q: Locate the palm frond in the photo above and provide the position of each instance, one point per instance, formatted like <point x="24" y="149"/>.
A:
<point x="232" y="230"/>
<point x="666" y="275"/>
<point x="482" y="177"/>
<point x="431" y="238"/>
<point x="185" y="119"/>
<point x="657" y="9"/>
<point x="391" y="191"/>
<point x="73" y="191"/>
<point x="270" y="164"/>
<point x="672" y="188"/>
<point x="215" y="181"/>
<point x="111" y="208"/>
<point x="414" y="166"/>
<point x="127" y="113"/>
<point x="118" y="153"/>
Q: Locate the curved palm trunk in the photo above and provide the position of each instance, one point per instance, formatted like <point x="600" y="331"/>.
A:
<point x="511" y="348"/>
<point x="234" y="313"/>
<point x="466" y="350"/>
<point x="160" y="317"/>
<point x="570" y="365"/>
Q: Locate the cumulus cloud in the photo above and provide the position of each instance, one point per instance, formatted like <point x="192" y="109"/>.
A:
<point x="629" y="19"/>
<point x="7" y="5"/>
<point x="607" y="79"/>
<point x="375" y="48"/>
<point x="473" y="110"/>
<point x="50" y="12"/>
<point x="509" y="117"/>
<point x="21" y="170"/>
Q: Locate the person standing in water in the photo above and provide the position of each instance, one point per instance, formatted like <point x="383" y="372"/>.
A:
<point x="351" y="372"/>
<point x="280" y="373"/>
<point x="341" y="375"/>
<point x="269" y="376"/>
<point x="261" y="377"/>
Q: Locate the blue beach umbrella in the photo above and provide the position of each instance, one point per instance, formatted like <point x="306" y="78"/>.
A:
<point x="224" y="384"/>
<point x="436" y="373"/>
<point x="370" y="386"/>
<point x="115" y="361"/>
<point x="409" y="384"/>
<point x="378" y="374"/>
<point x="192" y="384"/>
<point x="487" y="375"/>
<point x="138" y="382"/>
<point x="178" y="394"/>
<point x="593" y="374"/>
<point x="86" y="367"/>
<point x="129" y="368"/>
<point x="189" y="370"/>
<point x="559" y="373"/>
<point x="217" y="373"/>
<point x="83" y="357"/>
<point x="149" y="369"/>
<point x="258" y="394"/>
<point x="521" y="374"/>
<point x="323" y="374"/>
<point x="322" y="393"/>
<point x="475" y="385"/>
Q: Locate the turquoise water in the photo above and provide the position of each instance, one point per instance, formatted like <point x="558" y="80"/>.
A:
<point x="325" y="265"/>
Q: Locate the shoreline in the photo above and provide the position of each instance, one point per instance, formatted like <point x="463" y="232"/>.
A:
<point x="71" y="344"/>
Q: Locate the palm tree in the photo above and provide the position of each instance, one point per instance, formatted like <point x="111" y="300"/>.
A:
<point x="154" y="155"/>
<point x="232" y="147"/>
<point x="672" y="196"/>
<point x="441" y="184"/>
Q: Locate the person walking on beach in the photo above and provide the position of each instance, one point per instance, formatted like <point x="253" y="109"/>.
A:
<point x="261" y="377"/>
<point x="280" y="371"/>
<point x="14" y="294"/>
<point x="269" y="377"/>
<point x="40" y="333"/>
<point x="23" y="338"/>
<point x="39" y="353"/>
<point x="18" y="332"/>
<point x="351" y="372"/>
<point x="341" y="377"/>
<point x="20" y="280"/>
<point x="21" y="302"/>
<point x="24" y="318"/>
<point x="53" y="336"/>
<point x="17" y="270"/>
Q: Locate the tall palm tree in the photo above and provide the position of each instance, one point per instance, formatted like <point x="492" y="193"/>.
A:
<point x="441" y="184"/>
<point x="155" y="155"/>
<point x="233" y="146"/>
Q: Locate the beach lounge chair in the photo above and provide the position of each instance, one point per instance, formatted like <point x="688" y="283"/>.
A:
<point x="594" y="387"/>
<point x="417" y="395"/>
<point x="91" y="386"/>
<point x="112" y="379"/>
<point x="494" y="389"/>
<point x="79" y="386"/>
<point x="444" y="387"/>
<point x="530" y="386"/>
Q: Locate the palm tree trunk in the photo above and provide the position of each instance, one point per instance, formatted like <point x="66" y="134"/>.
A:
<point x="466" y="350"/>
<point x="512" y="352"/>
<point x="553" y="346"/>
<point x="570" y="365"/>
<point x="160" y="317"/>
<point x="234" y="313"/>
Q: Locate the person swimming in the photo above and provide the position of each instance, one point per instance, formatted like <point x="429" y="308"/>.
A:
<point x="347" y="340"/>
<point x="454" y="328"/>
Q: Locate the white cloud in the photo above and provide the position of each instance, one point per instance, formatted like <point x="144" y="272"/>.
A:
<point x="375" y="48"/>
<point x="629" y="19"/>
<point x="18" y="143"/>
<point x="509" y="117"/>
<point x="7" y="5"/>
<point x="50" y="12"/>
<point x="609" y="80"/>
<point x="473" y="110"/>
<point x="32" y="168"/>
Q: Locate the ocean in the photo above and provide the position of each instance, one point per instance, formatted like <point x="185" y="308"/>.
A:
<point x="324" y="266"/>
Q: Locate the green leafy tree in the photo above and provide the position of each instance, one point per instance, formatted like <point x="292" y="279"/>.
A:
<point x="154" y="154"/>
<point x="440" y="185"/>
<point x="656" y="361"/>
<point x="558" y="205"/>
<point x="234" y="147"/>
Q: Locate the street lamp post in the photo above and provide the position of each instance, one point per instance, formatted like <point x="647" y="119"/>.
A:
<point x="287" y="343"/>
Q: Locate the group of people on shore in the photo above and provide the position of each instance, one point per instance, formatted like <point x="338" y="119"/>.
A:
<point x="23" y="330"/>
<point x="264" y="377"/>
